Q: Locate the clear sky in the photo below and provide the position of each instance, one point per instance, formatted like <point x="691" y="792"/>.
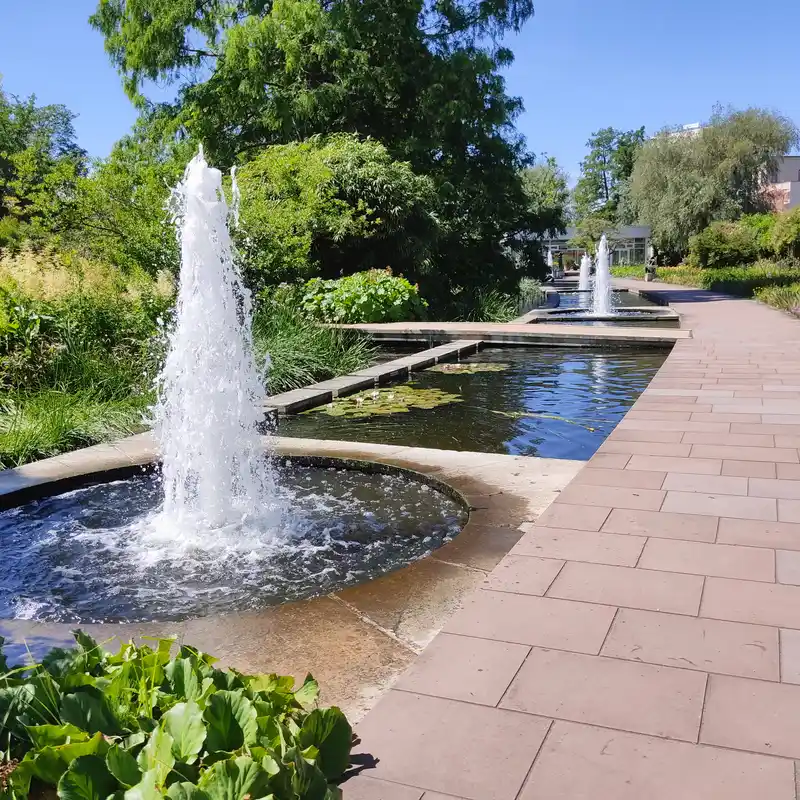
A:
<point x="580" y="65"/>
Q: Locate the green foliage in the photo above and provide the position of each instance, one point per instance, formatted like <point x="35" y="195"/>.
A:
<point x="332" y="206"/>
<point x="605" y="172"/>
<point x="302" y="352"/>
<point x="144" y="724"/>
<point x="424" y="79"/>
<point x="786" y="298"/>
<point x="723" y="244"/>
<point x="590" y="229"/>
<point x="546" y="188"/>
<point x="632" y="271"/>
<point x="374" y="296"/>
<point x="681" y="184"/>
<point x="119" y="215"/>
<point x="786" y="234"/>
<point x="743" y="281"/>
<point x="40" y="162"/>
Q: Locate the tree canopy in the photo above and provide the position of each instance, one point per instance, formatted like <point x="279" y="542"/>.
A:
<point x="605" y="172"/>
<point x="680" y="184"/>
<point x="328" y="207"/>
<point x="420" y="76"/>
<point x="546" y="188"/>
<point x="40" y="160"/>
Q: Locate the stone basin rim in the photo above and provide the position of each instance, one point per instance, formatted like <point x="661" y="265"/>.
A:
<point x="97" y="476"/>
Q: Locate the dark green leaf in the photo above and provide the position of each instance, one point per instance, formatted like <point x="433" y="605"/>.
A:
<point x="329" y="731"/>
<point x="50" y="763"/>
<point x="308" y="780"/>
<point x="122" y="765"/>
<point x="231" y="721"/>
<point x="233" y="779"/>
<point x="87" y="778"/>
<point x="88" y="709"/>
<point x="183" y="678"/>
<point x="186" y="791"/>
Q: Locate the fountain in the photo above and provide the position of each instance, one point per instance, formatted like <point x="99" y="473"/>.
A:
<point x="599" y="304"/>
<point x="584" y="280"/>
<point x="218" y="528"/>
<point x="550" y="270"/>
<point x="210" y="391"/>
<point x="602" y="304"/>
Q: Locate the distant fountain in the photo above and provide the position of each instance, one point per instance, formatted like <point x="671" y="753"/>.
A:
<point x="210" y="392"/>
<point x="601" y="296"/>
<point x="550" y="264"/>
<point x="584" y="280"/>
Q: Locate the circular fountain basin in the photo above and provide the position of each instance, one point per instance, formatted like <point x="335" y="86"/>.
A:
<point x="105" y="553"/>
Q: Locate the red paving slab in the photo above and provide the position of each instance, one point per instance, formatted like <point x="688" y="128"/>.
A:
<point x="642" y="639"/>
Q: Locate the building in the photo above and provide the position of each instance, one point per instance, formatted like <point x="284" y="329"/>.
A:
<point x="785" y="188"/>
<point x="629" y="244"/>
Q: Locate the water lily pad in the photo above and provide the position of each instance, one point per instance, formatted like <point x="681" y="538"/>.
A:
<point x="469" y="368"/>
<point x="383" y="402"/>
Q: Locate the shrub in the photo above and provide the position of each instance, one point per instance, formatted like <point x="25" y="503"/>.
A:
<point x="143" y="724"/>
<point x="324" y="207"/>
<point x="737" y="281"/>
<point x="723" y="244"/>
<point x="636" y="272"/>
<point x="762" y="227"/>
<point x="786" y="234"/>
<point x="373" y="296"/>
<point x="301" y="351"/>
<point x="786" y="298"/>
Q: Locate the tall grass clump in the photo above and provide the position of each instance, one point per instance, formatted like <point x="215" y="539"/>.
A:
<point x="301" y="351"/>
<point x="785" y="298"/>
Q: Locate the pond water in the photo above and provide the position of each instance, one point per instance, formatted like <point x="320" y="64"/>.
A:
<point x="620" y="300"/>
<point x="547" y="402"/>
<point x="104" y="553"/>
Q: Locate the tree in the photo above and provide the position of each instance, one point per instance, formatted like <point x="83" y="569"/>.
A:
<point x="546" y="188"/>
<point x="590" y="229"/>
<point x="327" y="207"/>
<point x="40" y="161"/>
<point x="606" y="170"/>
<point x="120" y="212"/>
<point x="680" y="184"/>
<point x="420" y="76"/>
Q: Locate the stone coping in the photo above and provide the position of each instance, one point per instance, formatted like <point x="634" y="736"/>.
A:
<point x="356" y="641"/>
<point x="522" y="334"/>
<point x="297" y="400"/>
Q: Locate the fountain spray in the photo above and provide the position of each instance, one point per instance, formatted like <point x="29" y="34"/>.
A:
<point x="210" y="391"/>
<point x="601" y="296"/>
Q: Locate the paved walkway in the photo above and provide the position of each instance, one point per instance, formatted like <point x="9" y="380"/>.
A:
<point x="642" y="640"/>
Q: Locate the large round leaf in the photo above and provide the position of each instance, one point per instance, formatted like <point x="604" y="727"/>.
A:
<point x="231" y="722"/>
<point x="87" y="778"/>
<point x="234" y="779"/>
<point x="122" y="765"/>
<point x="184" y="723"/>
<point x="329" y="731"/>
<point x="88" y="709"/>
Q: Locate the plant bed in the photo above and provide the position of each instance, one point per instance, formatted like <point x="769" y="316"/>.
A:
<point x="85" y="724"/>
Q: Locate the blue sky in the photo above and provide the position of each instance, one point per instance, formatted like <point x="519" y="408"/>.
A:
<point x="580" y="65"/>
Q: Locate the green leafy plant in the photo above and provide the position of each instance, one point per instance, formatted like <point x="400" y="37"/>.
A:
<point x="141" y="724"/>
<point x="373" y="296"/>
